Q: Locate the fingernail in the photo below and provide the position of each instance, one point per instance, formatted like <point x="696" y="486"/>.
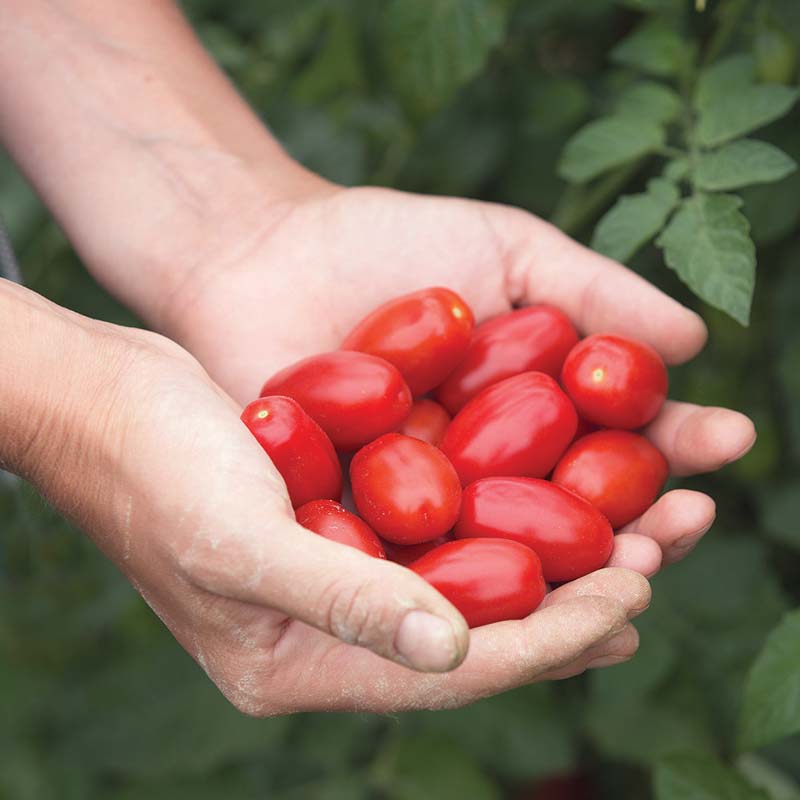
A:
<point x="427" y="642"/>
<point x="606" y="661"/>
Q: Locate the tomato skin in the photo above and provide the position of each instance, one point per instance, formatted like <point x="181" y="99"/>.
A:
<point x="405" y="488"/>
<point x="487" y="580"/>
<point x="427" y="421"/>
<point x="298" y="447"/>
<point x="333" y="521"/>
<point x="615" y="382"/>
<point x="353" y="397"/>
<point x="532" y="339"/>
<point x="570" y="536"/>
<point x="407" y="554"/>
<point x="620" y="473"/>
<point x="424" y="334"/>
<point x="520" y="426"/>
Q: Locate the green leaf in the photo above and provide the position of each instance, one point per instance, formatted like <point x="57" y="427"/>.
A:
<point x="739" y="112"/>
<point x="435" y="46"/>
<point x="771" y="707"/>
<point x="765" y="775"/>
<point x="741" y="163"/>
<point x="607" y="143"/>
<point x="696" y="777"/>
<point x="427" y="767"/>
<point x="635" y="219"/>
<point x="724" y="78"/>
<point x="655" y="48"/>
<point x="677" y="169"/>
<point x="708" y="245"/>
<point x="649" y="100"/>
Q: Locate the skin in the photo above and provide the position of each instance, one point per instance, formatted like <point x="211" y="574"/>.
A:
<point x="182" y="205"/>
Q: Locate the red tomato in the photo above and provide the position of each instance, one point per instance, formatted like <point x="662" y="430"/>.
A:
<point x="487" y="580"/>
<point x="563" y="787"/>
<point x="520" y="426"/>
<point x="406" y="554"/>
<point x="335" y="522"/>
<point x="570" y="536"/>
<point x="620" y="473"/>
<point x="424" y="334"/>
<point x="353" y="397"/>
<point x="427" y="421"/>
<point x="615" y="382"/>
<point x="536" y="338"/>
<point x="405" y="488"/>
<point x="584" y="428"/>
<point x="298" y="447"/>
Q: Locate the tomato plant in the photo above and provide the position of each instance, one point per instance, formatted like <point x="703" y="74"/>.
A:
<point x="519" y="426"/>
<point x="298" y="447"/>
<point x="620" y="473"/>
<point x="570" y="536"/>
<point x="536" y="338"/>
<point x="354" y="397"/>
<point x="424" y="334"/>
<point x="333" y="521"/>
<point x="405" y="488"/>
<point x="487" y="580"/>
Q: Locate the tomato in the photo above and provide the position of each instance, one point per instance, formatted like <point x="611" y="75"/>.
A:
<point x="298" y="447"/>
<point x="353" y="397"/>
<point x="572" y="786"/>
<point x="424" y="334"/>
<point x="487" y="580"/>
<point x="570" y="536"/>
<point x="519" y="426"/>
<point x="405" y="488"/>
<point x="335" y="522"/>
<point x="615" y="382"/>
<point x="427" y="421"/>
<point x="584" y="427"/>
<point x="406" y="554"/>
<point x="620" y="473"/>
<point x="536" y="338"/>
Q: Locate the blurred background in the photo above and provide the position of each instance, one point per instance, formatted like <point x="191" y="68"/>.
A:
<point x="97" y="700"/>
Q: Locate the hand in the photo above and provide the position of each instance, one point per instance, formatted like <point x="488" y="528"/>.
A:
<point x="124" y="432"/>
<point x="291" y="281"/>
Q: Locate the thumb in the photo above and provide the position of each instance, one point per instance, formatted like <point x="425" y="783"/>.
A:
<point x="361" y="600"/>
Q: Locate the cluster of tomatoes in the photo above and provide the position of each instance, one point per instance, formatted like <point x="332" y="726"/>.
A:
<point x="454" y="484"/>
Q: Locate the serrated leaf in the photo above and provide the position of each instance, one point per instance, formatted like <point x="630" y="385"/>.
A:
<point x="435" y="46"/>
<point x="707" y="244"/>
<point x="655" y="48"/>
<point x="635" y="219"/>
<point x="607" y="143"/>
<point x="771" y="707"/>
<point x="739" y="112"/>
<point x="724" y="78"/>
<point x="698" y="777"/>
<point x="649" y="100"/>
<point x="741" y="163"/>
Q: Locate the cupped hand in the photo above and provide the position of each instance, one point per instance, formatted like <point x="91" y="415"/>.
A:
<point x="125" y="433"/>
<point x="289" y="280"/>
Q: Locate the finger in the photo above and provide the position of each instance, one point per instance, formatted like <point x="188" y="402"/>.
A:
<point x="676" y="522"/>
<point x="619" y="648"/>
<point x="639" y="553"/>
<point x="698" y="439"/>
<point x="627" y="587"/>
<point x="598" y="294"/>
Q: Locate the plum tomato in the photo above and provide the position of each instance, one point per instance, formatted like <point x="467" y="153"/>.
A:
<point x="620" y="473"/>
<point x="424" y="334"/>
<point x="333" y="521"/>
<point x="406" y="554"/>
<point x="570" y="536"/>
<point x="405" y="488"/>
<point x="532" y="339"/>
<point x="615" y="382"/>
<point x="520" y="426"/>
<point x="298" y="447"/>
<point x="427" y="421"/>
<point x="354" y="397"/>
<point x="487" y="580"/>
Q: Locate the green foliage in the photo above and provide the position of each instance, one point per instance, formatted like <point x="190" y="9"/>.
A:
<point x="653" y="113"/>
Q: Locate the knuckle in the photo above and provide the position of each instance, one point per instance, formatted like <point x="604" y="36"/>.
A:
<point x="350" y="611"/>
